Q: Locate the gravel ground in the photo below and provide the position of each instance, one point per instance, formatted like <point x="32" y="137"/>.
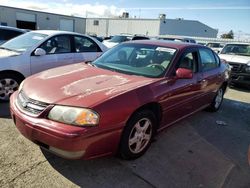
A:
<point x="196" y="152"/>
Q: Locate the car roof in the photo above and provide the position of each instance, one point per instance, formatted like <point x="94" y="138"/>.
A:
<point x="165" y="43"/>
<point x="238" y="43"/>
<point x="53" y="32"/>
<point x="12" y="28"/>
<point x="176" y="37"/>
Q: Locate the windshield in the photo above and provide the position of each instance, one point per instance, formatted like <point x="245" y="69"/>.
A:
<point x="24" y="42"/>
<point x="119" y="38"/>
<point x="237" y="49"/>
<point x="137" y="59"/>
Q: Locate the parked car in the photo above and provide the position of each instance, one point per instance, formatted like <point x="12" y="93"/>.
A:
<point x="36" y="51"/>
<point x="120" y="101"/>
<point x="93" y="35"/>
<point x="7" y="33"/>
<point x="238" y="57"/>
<point x="117" y="39"/>
<point x="178" y="39"/>
<point x="215" y="46"/>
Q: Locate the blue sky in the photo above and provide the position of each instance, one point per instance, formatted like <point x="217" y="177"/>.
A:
<point x="220" y="14"/>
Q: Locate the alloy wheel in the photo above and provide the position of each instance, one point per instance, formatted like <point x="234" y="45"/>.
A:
<point x="218" y="98"/>
<point x="140" y="135"/>
<point x="7" y="87"/>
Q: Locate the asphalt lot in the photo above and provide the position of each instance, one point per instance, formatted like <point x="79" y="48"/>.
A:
<point x="196" y="152"/>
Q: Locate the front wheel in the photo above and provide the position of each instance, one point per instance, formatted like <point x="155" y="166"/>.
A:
<point x="137" y="135"/>
<point x="8" y="85"/>
<point x="217" y="101"/>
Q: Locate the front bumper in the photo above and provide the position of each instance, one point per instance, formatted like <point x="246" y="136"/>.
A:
<point x="67" y="141"/>
<point x="240" y="78"/>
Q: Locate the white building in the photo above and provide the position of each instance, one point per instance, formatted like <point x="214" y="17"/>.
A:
<point x="30" y="19"/>
<point x="151" y="27"/>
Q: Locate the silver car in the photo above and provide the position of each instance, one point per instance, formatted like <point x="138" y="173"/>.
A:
<point x="36" y="51"/>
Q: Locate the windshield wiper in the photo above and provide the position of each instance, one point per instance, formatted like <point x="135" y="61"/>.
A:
<point x="89" y="63"/>
<point x="1" y="47"/>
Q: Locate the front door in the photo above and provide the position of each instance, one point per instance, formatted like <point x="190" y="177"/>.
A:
<point x="58" y="53"/>
<point x="182" y="96"/>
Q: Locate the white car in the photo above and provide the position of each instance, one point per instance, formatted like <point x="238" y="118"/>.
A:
<point x="215" y="46"/>
<point x="117" y="39"/>
<point x="238" y="57"/>
<point x="36" y="51"/>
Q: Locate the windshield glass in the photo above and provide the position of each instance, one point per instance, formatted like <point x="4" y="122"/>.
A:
<point x="237" y="49"/>
<point x="119" y="38"/>
<point x="137" y="59"/>
<point x="24" y="42"/>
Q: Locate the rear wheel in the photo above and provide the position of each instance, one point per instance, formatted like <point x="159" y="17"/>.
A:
<point x="9" y="83"/>
<point x="217" y="101"/>
<point x="137" y="135"/>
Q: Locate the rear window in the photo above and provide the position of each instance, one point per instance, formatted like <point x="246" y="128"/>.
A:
<point x="8" y="34"/>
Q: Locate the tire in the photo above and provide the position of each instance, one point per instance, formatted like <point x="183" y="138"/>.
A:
<point x="137" y="135"/>
<point x="217" y="101"/>
<point x="9" y="83"/>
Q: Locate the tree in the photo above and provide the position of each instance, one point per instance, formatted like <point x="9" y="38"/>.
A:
<point x="229" y="35"/>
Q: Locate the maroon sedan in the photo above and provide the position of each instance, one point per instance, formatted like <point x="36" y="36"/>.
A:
<point x="120" y="101"/>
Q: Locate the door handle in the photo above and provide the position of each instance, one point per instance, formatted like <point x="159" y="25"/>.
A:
<point x="201" y="80"/>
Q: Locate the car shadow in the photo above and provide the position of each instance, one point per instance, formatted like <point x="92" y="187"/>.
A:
<point x="103" y="172"/>
<point x="5" y="110"/>
<point x="198" y="151"/>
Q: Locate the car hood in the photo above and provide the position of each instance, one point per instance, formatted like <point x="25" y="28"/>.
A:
<point x="80" y="85"/>
<point x="7" y="53"/>
<point x="235" y="58"/>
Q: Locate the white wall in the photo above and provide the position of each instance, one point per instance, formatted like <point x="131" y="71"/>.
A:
<point x="108" y="27"/>
<point x="100" y="30"/>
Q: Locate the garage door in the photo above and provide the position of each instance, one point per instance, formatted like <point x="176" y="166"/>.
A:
<point x="25" y="21"/>
<point x="66" y="25"/>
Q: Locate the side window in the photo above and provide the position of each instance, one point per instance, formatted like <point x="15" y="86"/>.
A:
<point x="57" y="45"/>
<point x="84" y="44"/>
<point x="208" y="60"/>
<point x="189" y="61"/>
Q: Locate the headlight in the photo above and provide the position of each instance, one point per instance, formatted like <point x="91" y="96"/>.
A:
<point x="247" y="69"/>
<point x="74" y="116"/>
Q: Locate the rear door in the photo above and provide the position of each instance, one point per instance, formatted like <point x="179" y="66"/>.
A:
<point x="58" y="53"/>
<point x="211" y="76"/>
<point x="85" y="49"/>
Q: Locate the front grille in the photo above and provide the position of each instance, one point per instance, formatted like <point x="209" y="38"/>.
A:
<point x="32" y="106"/>
<point x="236" y="67"/>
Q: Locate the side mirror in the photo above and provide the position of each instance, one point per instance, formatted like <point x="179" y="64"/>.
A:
<point x="183" y="73"/>
<point x="40" y="52"/>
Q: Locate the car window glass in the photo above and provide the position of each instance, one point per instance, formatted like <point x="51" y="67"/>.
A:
<point x="8" y="34"/>
<point x="24" y="42"/>
<point x="57" y="44"/>
<point x="217" y="58"/>
<point x="236" y="49"/>
<point x="138" y="59"/>
<point x="189" y="61"/>
<point x="121" y="55"/>
<point x="208" y="61"/>
<point x="84" y="44"/>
